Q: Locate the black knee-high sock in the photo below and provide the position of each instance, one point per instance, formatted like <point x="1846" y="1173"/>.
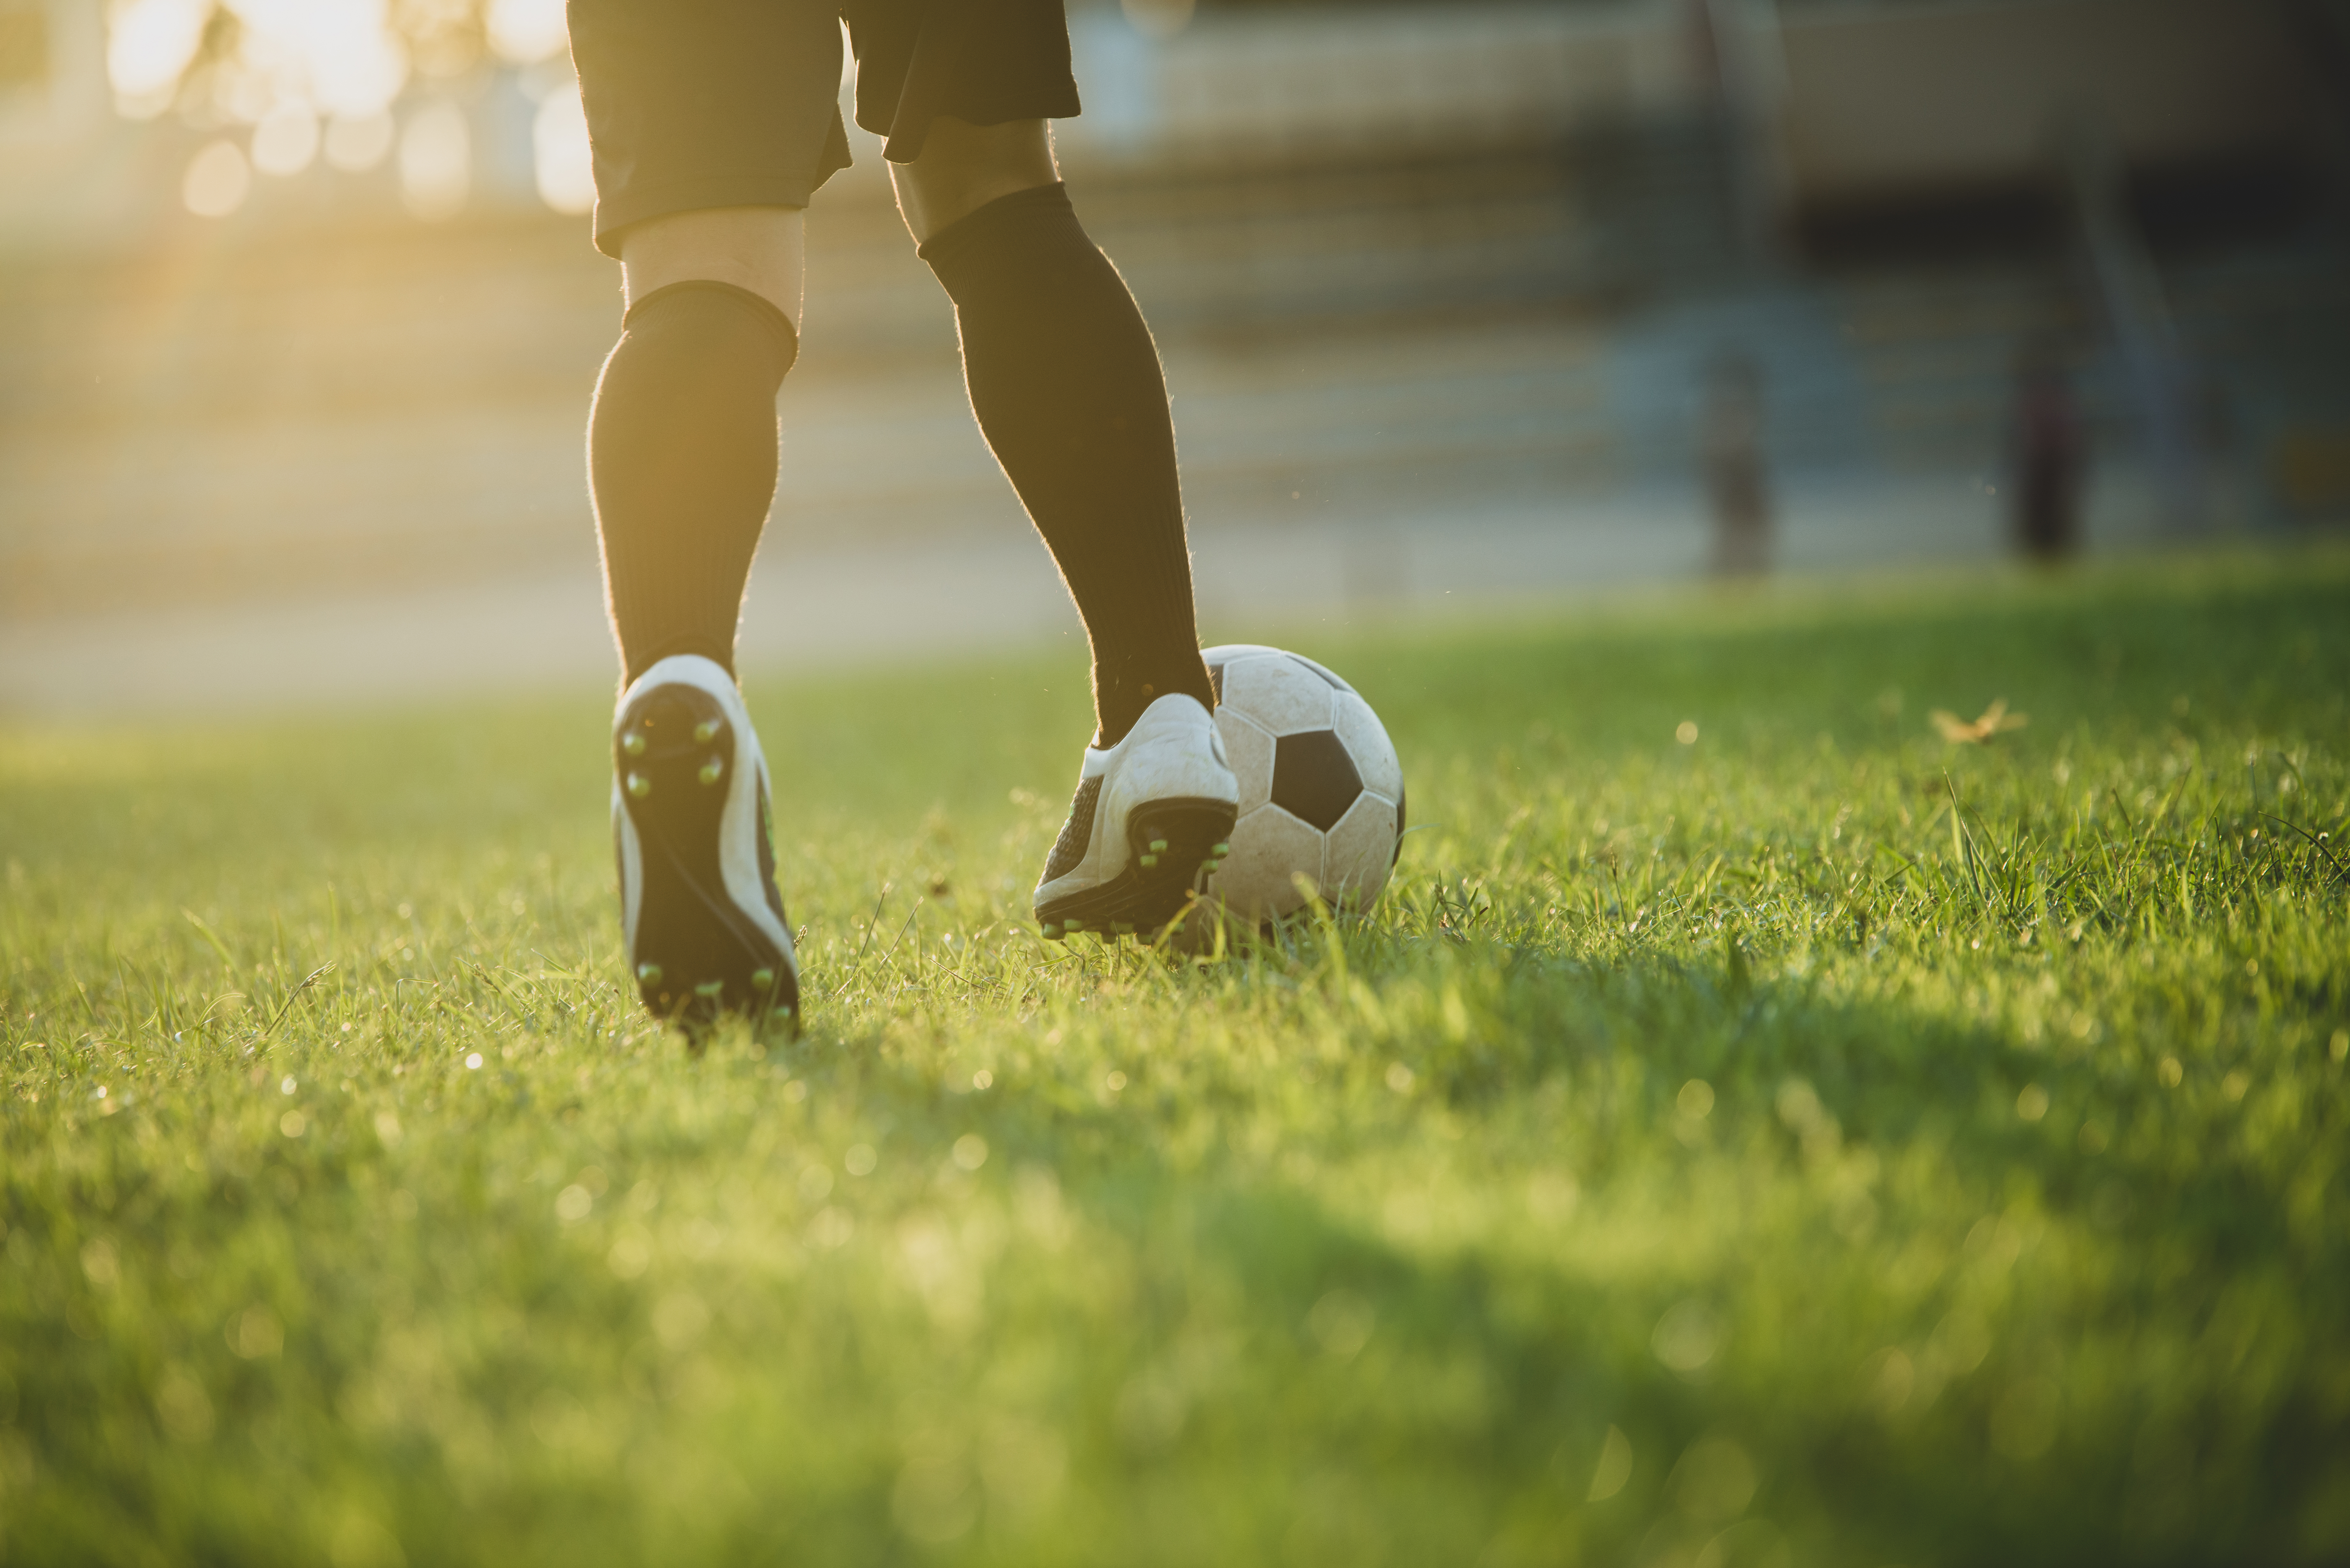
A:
<point x="1066" y="383"/>
<point x="681" y="465"/>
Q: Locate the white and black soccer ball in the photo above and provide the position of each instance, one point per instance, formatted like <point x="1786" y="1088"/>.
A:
<point x="1321" y="791"/>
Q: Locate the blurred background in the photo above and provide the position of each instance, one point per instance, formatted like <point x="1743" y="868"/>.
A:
<point x="1460" y="303"/>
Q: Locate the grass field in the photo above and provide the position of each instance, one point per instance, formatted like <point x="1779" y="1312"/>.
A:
<point x="1816" y="1143"/>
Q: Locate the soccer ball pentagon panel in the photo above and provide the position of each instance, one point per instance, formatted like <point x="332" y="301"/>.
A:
<point x="1321" y="792"/>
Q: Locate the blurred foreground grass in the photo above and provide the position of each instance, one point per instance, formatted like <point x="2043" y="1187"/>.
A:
<point x="1814" y="1143"/>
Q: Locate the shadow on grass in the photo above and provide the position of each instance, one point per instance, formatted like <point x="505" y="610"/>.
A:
<point x="1842" y="1276"/>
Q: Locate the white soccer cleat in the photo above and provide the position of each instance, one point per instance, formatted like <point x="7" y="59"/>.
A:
<point x="1149" y="812"/>
<point x="704" y="924"/>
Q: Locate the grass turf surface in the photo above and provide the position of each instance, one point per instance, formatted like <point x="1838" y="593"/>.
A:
<point x="1715" y="1153"/>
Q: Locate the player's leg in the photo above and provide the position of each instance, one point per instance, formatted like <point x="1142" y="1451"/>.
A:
<point x="681" y="465"/>
<point x="1066" y="383"/>
<point x="711" y="125"/>
<point x="681" y="438"/>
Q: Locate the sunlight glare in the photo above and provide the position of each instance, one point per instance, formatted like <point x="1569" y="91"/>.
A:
<point x="526" y="31"/>
<point x="565" y="169"/>
<point x="357" y="66"/>
<point x="435" y="160"/>
<point x="217" y="181"/>
<point x="149" y="43"/>
<point x="339" y="54"/>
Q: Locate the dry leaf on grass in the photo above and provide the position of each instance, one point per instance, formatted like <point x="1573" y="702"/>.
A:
<point x="1975" y="731"/>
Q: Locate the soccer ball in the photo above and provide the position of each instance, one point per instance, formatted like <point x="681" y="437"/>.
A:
<point x="1321" y="791"/>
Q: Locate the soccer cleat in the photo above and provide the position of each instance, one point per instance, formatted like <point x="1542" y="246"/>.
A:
<point x="704" y="925"/>
<point x="1149" y="812"/>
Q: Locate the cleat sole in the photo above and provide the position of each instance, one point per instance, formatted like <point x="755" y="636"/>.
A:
<point x="687" y="925"/>
<point x="1170" y="841"/>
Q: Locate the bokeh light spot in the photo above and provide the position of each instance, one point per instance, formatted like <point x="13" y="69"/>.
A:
<point x="526" y="31"/>
<point x="1614" y="1468"/>
<point x="218" y="181"/>
<point x="255" y="1332"/>
<point x="436" y="161"/>
<point x="286" y="139"/>
<point x="357" y="142"/>
<point x="561" y="161"/>
<point x="149" y="43"/>
<point x="1687" y="1336"/>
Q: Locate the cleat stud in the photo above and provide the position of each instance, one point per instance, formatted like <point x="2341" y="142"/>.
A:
<point x="779" y="1013"/>
<point x="633" y="742"/>
<point x="1158" y="847"/>
<point x="706" y="731"/>
<point x="1149" y="860"/>
<point x="712" y="989"/>
<point x="710" y="769"/>
<point x="648" y="973"/>
<point x="1073" y="925"/>
<point x="1219" y="850"/>
<point x="763" y="978"/>
<point x="640" y="785"/>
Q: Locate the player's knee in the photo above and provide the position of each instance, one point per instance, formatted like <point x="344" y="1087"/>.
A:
<point x="964" y="167"/>
<point x="761" y="249"/>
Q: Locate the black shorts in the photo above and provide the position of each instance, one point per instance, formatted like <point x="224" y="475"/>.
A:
<point x="735" y="103"/>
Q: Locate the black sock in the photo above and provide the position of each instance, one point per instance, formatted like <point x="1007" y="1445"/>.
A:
<point x="681" y="465"/>
<point x="1066" y="383"/>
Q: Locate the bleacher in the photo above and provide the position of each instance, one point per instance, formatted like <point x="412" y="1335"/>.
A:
<point x="1394" y="272"/>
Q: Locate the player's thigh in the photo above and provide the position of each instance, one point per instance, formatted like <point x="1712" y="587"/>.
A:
<point x="961" y="91"/>
<point x="761" y="249"/>
<point x="703" y="114"/>
<point x="964" y="167"/>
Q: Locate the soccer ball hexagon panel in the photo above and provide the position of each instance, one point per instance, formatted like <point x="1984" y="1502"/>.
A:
<point x="1321" y="790"/>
